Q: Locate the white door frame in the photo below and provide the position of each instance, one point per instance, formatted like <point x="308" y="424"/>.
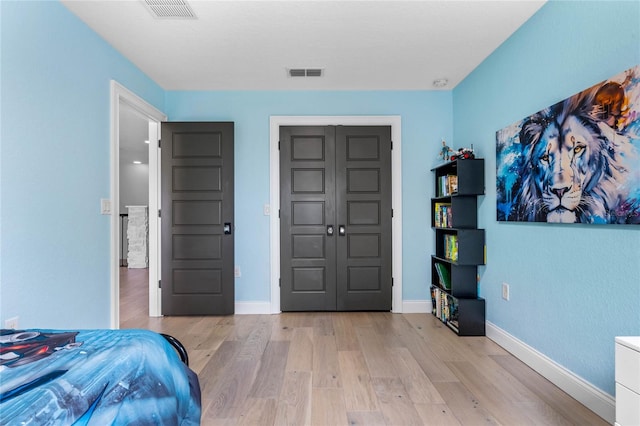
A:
<point x="120" y="94"/>
<point x="396" y="169"/>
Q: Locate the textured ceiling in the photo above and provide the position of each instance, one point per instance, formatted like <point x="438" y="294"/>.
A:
<point x="360" y="45"/>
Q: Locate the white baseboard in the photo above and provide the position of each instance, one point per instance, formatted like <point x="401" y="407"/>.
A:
<point x="408" y="307"/>
<point x="416" y="306"/>
<point x="252" y="308"/>
<point x="590" y="396"/>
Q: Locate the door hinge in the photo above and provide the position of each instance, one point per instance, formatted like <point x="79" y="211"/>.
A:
<point x="391" y="212"/>
<point x="159" y="213"/>
<point x="159" y="143"/>
<point x="391" y="281"/>
<point x="391" y="145"/>
<point x="159" y="283"/>
<point x="279" y="282"/>
<point x="278" y="213"/>
<point x="278" y="145"/>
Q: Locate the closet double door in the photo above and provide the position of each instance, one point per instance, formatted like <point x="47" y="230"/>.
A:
<point x="335" y="218"/>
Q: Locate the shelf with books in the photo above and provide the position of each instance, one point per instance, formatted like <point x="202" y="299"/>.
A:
<point x="454" y="211"/>
<point x="469" y="177"/>
<point x="457" y="280"/>
<point x="447" y="185"/>
<point x="464" y="316"/>
<point x="459" y="246"/>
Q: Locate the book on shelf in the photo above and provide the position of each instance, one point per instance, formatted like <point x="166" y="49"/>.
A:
<point x="437" y="301"/>
<point x="447" y="185"/>
<point x="453" y="184"/>
<point x="453" y="314"/>
<point x="443" y="276"/>
<point x="445" y="308"/>
<point x="434" y="298"/>
<point x="442" y="215"/>
<point x="451" y="247"/>
<point x="441" y="303"/>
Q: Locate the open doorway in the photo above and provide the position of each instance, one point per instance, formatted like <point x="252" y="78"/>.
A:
<point x="134" y="121"/>
<point x="133" y="208"/>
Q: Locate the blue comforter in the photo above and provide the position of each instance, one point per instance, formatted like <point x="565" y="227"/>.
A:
<point x="94" y="377"/>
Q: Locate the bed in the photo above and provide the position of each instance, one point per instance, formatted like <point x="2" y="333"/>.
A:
<point x="95" y="377"/>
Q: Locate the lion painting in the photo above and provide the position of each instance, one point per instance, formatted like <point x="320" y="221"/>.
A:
<point x="574" y="162"/>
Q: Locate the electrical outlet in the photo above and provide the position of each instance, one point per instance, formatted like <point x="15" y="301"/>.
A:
<point x="11" y="322"/>
<point x="237" y="272"/>
<point x="505" y="291"/>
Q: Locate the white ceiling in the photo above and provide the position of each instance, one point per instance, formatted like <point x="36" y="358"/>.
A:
<point x="360" y="44"/>
<point x="249" y="45"/>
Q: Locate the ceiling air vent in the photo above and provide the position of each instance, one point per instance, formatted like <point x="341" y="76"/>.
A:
<point x="169" y="9"/>
<point x="305" y="72"/>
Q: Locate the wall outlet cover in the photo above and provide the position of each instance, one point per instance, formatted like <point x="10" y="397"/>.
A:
<point x="505" y="291"/>
<point x="12" y="323"/>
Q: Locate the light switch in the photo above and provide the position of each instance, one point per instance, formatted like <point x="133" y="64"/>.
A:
<point x="105" y="206"/>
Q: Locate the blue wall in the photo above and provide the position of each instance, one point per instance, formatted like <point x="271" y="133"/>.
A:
<point x="426" y="118"/>
<point x="55" y="165"/>
<point x="573" y="287"/>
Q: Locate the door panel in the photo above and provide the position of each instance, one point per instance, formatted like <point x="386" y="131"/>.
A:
<point x="363" y="187"/>
<point x="196" y="178"/>
<point x="306" y="209"/>
<point x="197" y="200"/>
<point x="335" y="214"/>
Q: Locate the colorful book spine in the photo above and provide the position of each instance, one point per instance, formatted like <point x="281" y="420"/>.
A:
<point x="451" y="247"/>
<point x="444" y="307"/>
<point x="447" y="185"/>
<point x="452" y="184"/>
<point x="442" y="215"/>
<point x="443" y="276"/>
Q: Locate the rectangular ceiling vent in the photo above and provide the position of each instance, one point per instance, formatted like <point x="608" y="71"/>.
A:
<point x="169" y="9"/>
<point x="305" y="72"/>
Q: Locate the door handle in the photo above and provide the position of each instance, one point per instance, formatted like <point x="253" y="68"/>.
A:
<point x="227" y="228"/>
<point x="330" y="230"/>
<point x="342" y="231"/>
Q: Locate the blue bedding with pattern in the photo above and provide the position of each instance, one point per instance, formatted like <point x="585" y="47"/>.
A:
<point x="94" y="377"/>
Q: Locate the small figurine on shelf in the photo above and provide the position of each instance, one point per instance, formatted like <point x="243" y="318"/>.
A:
<point x="463" y="154"/>
<point x="445" y="151"/>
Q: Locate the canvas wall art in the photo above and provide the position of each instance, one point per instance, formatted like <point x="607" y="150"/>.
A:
<point x="577" y="161"/>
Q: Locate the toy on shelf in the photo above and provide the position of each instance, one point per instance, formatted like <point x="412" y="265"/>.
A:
<point x="445" y="151"/>
<point x="462" y="154"/>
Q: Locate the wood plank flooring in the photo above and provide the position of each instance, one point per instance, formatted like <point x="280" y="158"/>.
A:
<point x="361" y="368"/>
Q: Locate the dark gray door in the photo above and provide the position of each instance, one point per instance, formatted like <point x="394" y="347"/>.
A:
<point x="335" y="218"/>
<point x="307" y="224"/>
<point x="197" y="218"/>
<point x="363" y="214"/>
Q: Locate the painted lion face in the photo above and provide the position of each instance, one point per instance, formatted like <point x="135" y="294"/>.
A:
<point x="561" y="160"/>
<point x="573" y="167"/>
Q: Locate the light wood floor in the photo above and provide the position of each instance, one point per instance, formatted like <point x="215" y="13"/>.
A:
<point x="358" y="368"/>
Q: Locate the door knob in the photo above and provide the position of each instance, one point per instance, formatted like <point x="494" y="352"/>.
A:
<point x="227" y="228"/>
<point x="342" y="231"/>
<point x="330" y="230"/>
